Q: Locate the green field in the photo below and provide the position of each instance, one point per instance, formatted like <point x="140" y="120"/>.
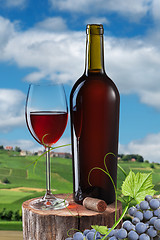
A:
<point x="21" y="174"/>
<point x="27" y="182"/>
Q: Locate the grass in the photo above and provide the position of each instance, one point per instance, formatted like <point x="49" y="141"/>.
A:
<point x="21" y="173"/>
<point x="9" y="197"/>
<point x="11" y="225"/>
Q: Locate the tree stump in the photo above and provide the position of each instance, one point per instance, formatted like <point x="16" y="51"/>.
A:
<point x="54" y="224"/>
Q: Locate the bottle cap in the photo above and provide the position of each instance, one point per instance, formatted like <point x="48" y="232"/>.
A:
<point x="96" y="29"/>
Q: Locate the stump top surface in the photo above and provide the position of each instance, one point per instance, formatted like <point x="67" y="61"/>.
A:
<point x="73" y="209"/>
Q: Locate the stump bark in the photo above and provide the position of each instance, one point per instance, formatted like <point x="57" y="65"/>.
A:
<point x="54" y="224"/>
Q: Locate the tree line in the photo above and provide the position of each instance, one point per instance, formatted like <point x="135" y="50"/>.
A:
<point x="131" y="157"/>
<point x="123" y="157"/>
<point x="10" y="215"/>
<point x="16" y="149"/>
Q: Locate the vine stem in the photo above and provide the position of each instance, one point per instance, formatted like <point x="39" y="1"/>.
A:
<point x="107" y="173"/>
<point x="115" y="189"/>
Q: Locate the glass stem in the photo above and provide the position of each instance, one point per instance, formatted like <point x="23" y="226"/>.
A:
<point x="48" y="172"/>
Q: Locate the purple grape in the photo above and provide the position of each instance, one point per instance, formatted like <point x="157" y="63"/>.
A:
<point x="154" y="204"/>
<point x="138" y="206"/>
<point x="148" y="198"/>
<point x="121" y="233"/>
<point x="90" y="236"/>
<point x="78" y="236"/>
<point x="86" y="231"/>
<point x="141" y="227"/>
<point x="152" y="232"/>
<point x="144" y="236"/>
<point x="112" y="238"/>
<point x="144" y="205"/>
<point x="139" y="215"/>
<point x="157" y="212"/>
<point x="131" y="211"/>
<point x="157" y="224"/>
<point x="127" y="225"/>
<point x="132" y="235"/>
<point x="152" y="220"/>
<point x="135" y="220"/>
<point x="147" y="214"/>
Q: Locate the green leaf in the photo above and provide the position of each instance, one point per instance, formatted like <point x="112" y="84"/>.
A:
<point x="102" y="229"/>
<point x="138" y="185"/>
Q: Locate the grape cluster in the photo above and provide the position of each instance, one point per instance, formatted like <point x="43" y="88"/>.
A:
<point x="145" y="224"/>
<point x="86" y="235"/>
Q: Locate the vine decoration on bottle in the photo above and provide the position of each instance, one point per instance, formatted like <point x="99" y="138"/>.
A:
<point x="107" y="173"/>
<point x="134" y="187"/>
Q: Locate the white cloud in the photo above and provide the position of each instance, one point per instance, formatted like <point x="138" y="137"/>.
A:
<point x="52" y="24"/>
<point x="151" y="98"/>
<point x="132" y="63"/>
<point x="12" y="3"/>
<point x="148" y="147"/>
<point x="11" y="109"/>
<point x="7" y="32"/>
<point x="135" y="10"/>
<point x="138" y="9"/>
<point x="156" y="9"/>
<point x="34" y="77"/>
<point x="59" y="55"/>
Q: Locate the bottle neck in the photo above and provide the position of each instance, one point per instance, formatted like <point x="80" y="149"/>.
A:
<point x="94" y="54"/>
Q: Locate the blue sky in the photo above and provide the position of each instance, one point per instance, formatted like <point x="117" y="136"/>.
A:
<point x="46" y="38"/>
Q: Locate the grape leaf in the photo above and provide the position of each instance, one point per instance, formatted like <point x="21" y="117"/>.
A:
<point x="101" y="229"/>
<point x="138" y="185"/>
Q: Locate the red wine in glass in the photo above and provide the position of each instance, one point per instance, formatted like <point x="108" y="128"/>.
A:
<point x="46" y="118"/>
<point x="48" y="126"/>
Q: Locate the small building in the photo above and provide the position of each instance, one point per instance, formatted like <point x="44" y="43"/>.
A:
<point x="25" y="153"/>
<point x="133" y="160"/>
<point x="9" y="148"/>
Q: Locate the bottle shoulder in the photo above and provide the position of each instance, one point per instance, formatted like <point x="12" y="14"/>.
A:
<point x="96" y="80"/>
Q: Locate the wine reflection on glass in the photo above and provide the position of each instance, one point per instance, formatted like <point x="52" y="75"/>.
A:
<point x="46" y="117"/>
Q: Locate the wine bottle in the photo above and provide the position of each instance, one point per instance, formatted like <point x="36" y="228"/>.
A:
<point x="94" y="108"/>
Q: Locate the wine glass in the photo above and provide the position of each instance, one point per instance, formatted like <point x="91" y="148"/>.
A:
<point x="46" y="117"/>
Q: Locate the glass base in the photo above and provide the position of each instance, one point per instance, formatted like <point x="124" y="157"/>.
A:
<point x="49" y="204"/>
